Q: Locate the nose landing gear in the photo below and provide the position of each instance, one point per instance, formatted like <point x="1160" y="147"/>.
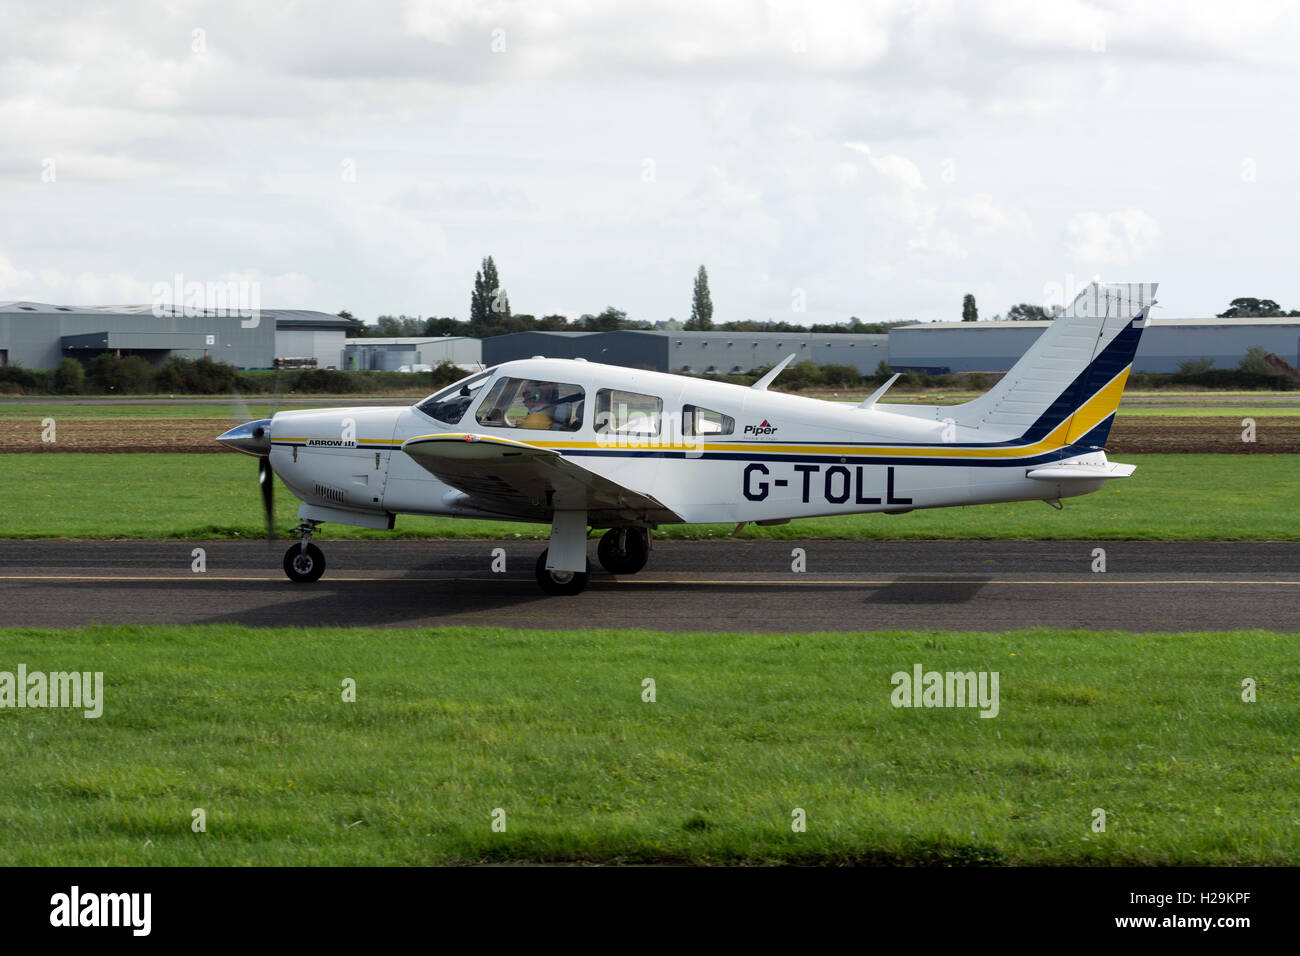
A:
<point x="304" y="562"/>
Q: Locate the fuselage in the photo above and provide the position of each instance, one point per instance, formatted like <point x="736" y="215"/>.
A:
<point x="709" y="451"/>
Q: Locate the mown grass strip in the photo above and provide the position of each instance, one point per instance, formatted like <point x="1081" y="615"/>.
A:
<point x="1171" y="497"/>
<point x="552" y="727"/>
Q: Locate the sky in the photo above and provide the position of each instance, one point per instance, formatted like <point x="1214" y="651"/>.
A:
<point x="821" y="160"/>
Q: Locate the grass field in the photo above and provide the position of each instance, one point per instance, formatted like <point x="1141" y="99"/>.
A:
<point x="449" y="725"/>
<point x="1171" y="497"/>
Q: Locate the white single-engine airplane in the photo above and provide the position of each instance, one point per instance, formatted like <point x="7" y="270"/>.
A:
<point x="578" y="445"/>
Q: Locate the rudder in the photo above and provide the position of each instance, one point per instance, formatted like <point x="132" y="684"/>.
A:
<point x="1069" y="382"/>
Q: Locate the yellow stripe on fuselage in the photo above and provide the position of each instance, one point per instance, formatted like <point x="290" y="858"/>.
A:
<point x="1087" y="417"/>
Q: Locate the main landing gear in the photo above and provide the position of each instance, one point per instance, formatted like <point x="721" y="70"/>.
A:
<point x="304" y="562"/>
<point x="624" y="550"/>
<point x="559" y="582"/>
<point x="621" y="551"/>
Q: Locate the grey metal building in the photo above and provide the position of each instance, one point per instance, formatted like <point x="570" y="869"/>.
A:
<point x="390" y="354"/>
<point x="38" y="335"/>
<point x="996" y="346"/>
<point x="304" y="334"/>
<point x="666" y="351"/>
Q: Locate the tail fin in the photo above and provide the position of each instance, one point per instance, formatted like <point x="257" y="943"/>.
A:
<point x="1070" y="381"/>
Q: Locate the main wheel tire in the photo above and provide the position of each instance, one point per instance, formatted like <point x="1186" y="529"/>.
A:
<point x="631" y="558"/>
<point x="559" y="582"/>
<point x="304" y="567"/>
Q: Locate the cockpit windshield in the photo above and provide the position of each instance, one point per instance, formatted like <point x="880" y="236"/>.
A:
<point x="451" y="404"/>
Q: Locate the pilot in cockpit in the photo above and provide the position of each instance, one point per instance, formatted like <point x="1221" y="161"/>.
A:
<point x="539" y="399"/>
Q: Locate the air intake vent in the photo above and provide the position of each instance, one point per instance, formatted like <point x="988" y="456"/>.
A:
<point x="329" y="494"/>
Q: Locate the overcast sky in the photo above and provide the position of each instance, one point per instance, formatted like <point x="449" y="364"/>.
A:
<point x="869" y="159"/>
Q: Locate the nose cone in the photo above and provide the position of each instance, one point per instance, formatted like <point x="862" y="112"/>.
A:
<point x="252" y="438"/>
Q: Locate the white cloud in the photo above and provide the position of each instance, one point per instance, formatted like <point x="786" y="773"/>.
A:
<point x="1116" y="238"/>
<point x="984" y="216"/>
<point x="899" y="169"/>
<point x="13" y="279"/>
<point x="796" y="145"/>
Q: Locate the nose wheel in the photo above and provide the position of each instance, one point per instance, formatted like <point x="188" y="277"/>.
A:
<point x="304" y="565"/>
<point x="304" y="562"/>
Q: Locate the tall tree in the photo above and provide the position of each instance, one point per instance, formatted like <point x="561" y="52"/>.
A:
<point x="488" y="302"/>
<point x="701" y="319"/>
<point x="969" y="313"/>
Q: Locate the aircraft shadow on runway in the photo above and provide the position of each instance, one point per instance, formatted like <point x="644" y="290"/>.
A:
<point x="926" y="592"/>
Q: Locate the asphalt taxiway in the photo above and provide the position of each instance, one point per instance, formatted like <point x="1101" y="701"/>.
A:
<point x="711" y="585"/>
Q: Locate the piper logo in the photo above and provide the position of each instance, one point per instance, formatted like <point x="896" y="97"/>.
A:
<point x="765" y="428"/>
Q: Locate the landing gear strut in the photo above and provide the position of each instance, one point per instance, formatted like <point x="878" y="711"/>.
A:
<point x="304" y="562"/>
<point x="559" y="582"/>
<point x="562" y="567"/>
<point x="624" y="550"/>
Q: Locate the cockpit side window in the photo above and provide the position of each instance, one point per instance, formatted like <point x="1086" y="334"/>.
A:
<point x="451" y="404"/>
<point x="532" y="403"/>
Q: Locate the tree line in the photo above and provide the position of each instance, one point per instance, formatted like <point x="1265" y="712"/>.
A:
<point x="1246" y="307"/>
<point x="490" y="314"/>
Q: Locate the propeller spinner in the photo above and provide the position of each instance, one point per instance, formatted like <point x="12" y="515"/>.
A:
<point x="254" y="438"/>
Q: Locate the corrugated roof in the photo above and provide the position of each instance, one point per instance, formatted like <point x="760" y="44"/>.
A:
<point x="286" y="316"/>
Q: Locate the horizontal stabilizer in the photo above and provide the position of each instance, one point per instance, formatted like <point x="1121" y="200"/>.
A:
<point x="1080" y="472"/>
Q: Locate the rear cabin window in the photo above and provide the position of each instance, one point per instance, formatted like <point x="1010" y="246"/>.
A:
<point x="705" y="421"/>
<point x="530" y="403"/>
<point x="627" y="413"/>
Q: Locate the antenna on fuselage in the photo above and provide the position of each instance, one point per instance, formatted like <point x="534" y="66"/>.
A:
<point x="770" y="377"/>
<point x="875" y="396"/>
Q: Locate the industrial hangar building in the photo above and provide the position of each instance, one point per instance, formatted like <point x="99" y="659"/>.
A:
<point x="940" y="347"/>
<point x="38" y="335"/>
<point x="392" y="354"/>
<point x="715" y="352"/>
<point x="303" y="334"/>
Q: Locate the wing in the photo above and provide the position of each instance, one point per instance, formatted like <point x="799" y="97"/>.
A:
<point x="522" y="480"/>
